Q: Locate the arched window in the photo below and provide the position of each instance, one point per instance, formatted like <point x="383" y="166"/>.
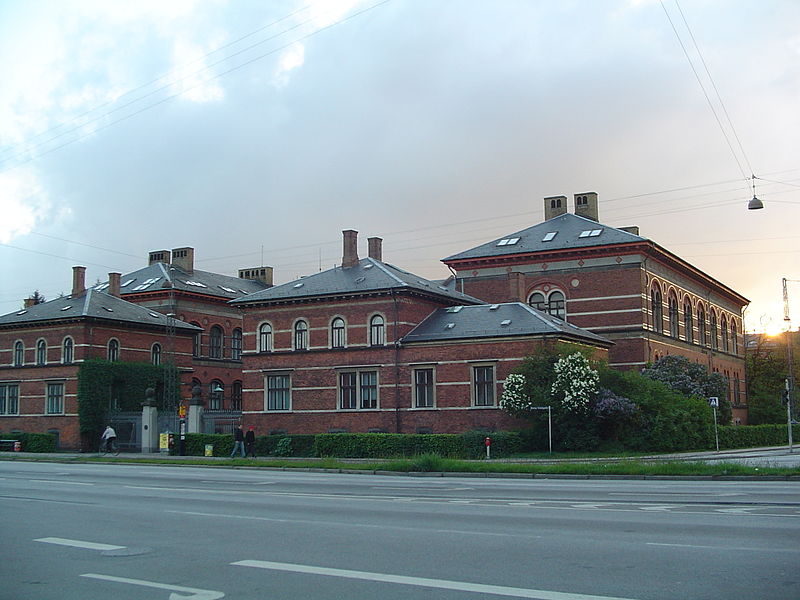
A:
<point x="236" y="396"/>
<point x="155" y="354"/>
<point x="41" y="352"/>
<point x="734" y="337"/>
<point x="338" y="333"/>
<point x="673" y="316"/>
<point x="538" y="301"/>
<point x="553" y="304"/>
<point x="265" y="337"/>
<point x="702" y="332"/>
<point x="113" y="350"/>
<point x="215" y="342"/>
<point x="724" y="331"/>
<point x="688" y="325"/>
<point x="216" y="394"/>
<point x="557" y="305"/>
<point x="236" y="344"/>
<point x="377" y="331"/>
<point x="657" y="309"/>
<point x="301" y="335"/>
<point x="68" y="351"/>
<point x="714" y="333"/>
<point x="197" y="340"/>
<point x="19" y="354"/>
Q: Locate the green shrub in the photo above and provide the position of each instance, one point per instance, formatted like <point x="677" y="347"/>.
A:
<point x="753" y="436"/>
<point x="284" y="447"/>
<point x="33" y="442"/>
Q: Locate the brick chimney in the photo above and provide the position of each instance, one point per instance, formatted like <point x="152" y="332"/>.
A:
<point x="158" y="256"/>
<point x="78" y="281"/>
<point x="113" y="284"/>
<point x="586" y="205"/>
<point x="183" y="258"/>
<point x="375" y="248"/>
<point x="28" y="302"/>
<point x="262" y="274"/>
<point x="350" y="248"/>
<point x="554" y="206"/>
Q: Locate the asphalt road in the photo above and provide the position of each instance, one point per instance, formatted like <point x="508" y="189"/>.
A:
<point x="87" y="531"/>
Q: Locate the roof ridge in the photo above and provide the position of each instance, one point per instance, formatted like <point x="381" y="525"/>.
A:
<point x="86" y="301"/>
<point x="383" y="268"/>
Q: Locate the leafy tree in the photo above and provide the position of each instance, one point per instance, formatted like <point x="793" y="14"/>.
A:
<point x="692" y="380"/>
<point x="37" y="297"/>
<point x="766" y="379"/>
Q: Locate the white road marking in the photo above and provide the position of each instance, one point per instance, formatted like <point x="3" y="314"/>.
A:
<point x="444" y="584"/>
<point x="195" y="593"/>
<point x="435" y="488"/>
<point x="729" y="548"/>
<point x="736" y="511"/>
<point x="663" y="507"/>
<point x="78" y="544"/>
<point x="201" y="490"/>
<point x="60" y="482"/>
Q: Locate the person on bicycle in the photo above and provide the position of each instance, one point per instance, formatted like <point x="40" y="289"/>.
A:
<point x="109" y="437"/>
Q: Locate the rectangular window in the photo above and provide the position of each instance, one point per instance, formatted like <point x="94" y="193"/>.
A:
<point x="423" y="388"/>
<point x="278" y="392"/>
<point x="347" y="390"/>
<point x="483" y="385"/>
<point x="358" y="389"/>
<point x="368" y="389"/>
<point x="9" y="399"/>
<point x="55" y="399"/>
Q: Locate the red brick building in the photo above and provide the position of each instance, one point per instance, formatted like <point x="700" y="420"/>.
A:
<point x="615" y="283"/>
<point x="42" y="346"/>
<point x="370" y="347"/>
<point x="170" y="284"/>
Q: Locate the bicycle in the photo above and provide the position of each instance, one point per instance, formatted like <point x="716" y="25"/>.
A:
<point x="105" y="450"/>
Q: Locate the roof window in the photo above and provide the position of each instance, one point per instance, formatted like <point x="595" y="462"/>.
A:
<point x="549" y="236"/>
<point x="67" y="307"/>
<point x="101" y="287"/>
<point x="299" y="285"/>
<point x="127" y="283"/>
<point x="155" y="315"/>
<point x="22" y="312"/>
<point x="226" y="289"/>
<point x="508" y="241"/>
<point x="105" y="308"/>
<point x="454" y="309"/>
<point x="590" y="233"/>
<point x="505" y="322"/>
<point x="494" y="307"/>
<point x="449" y="325"/>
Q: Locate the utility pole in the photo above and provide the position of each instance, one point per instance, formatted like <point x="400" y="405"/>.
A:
<point x="789" y="362"/>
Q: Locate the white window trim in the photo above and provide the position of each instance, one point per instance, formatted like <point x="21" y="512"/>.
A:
<point x="330" y="333"/>
<point x="278" y="373"/>
<point x="472" y="395"/>
<point x="414" y="370"/>
<point x="271" y="345"/>
<point x="357" y="371"/>
<point x="63" y="385"/>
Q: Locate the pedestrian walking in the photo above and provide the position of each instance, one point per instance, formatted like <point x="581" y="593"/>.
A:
<point x="250" y="442"/>
<point x="238" y="440"/>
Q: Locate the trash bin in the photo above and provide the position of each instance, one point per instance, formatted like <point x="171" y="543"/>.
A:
<point x="209" y="450"/>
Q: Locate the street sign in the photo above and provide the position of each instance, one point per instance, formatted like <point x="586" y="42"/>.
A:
<point x="713" y="402"/>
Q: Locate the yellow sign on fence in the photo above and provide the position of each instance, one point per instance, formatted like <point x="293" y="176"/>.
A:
<point x="163" y="441"/>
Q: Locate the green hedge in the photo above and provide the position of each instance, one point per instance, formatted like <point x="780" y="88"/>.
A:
<point x="33" y="442"/>
<point x="753" y="436"/>
<point x="365" y="445"/>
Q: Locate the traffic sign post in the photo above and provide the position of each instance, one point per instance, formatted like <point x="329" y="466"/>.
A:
<point x="713" y="402"/>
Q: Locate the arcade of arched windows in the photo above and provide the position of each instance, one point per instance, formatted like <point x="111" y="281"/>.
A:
<point x="692" y="320"/>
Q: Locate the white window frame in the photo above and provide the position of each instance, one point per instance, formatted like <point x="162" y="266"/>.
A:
<point x="473" y="370"/>
<point x="112" y="355"/>
<point x="155" y="354"/>
<point x="380" y="339"/>
<point x="50" y="398"/>
<point x="415" y="396"/>
<point x="6" y="398"/>
<point x="236" y="344"/>
<point x="18" y="354"/>
<point x="358" y="388"/>
<point x="41" y="352"/>
<point x="68" y="351"/>
<point x="301" y="338"/>
<point x="266" y="338"/>
<point x="288" y="390"/>
<point x="338" y="334"/>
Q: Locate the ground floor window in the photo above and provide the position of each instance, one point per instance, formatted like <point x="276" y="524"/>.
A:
<point x="423" y="388"/>
<point x="483" y="385"/>
<point x="358" y="389"/>
<point x="55" y="399"/>
<point x="278" y="392"/>
<point x="9" y="398"/>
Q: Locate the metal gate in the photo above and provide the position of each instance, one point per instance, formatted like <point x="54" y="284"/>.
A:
<point x="127" y="425"/>
<point x="221" y="421"/>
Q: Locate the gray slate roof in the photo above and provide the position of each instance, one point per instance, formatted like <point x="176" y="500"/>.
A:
<point x="369" y="275"/>
<point x="568" y="228"/>
<point x="496" y="320"/>
<point x="153" y="278"/>
<point x="91" y="305"/>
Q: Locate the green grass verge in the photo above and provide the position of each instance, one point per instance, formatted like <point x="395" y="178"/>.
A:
<point x="432" y="463"/>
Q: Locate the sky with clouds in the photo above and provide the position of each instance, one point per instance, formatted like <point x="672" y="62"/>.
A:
<point x="256" y="132"/>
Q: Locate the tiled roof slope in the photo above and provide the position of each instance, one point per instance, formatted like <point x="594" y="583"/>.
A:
<point x="153" y="278"/>
<point x="90" y="305"/>
<point x="496" y="320"/>
<point x="369" y="275"/>
<point x="569" y="232"/>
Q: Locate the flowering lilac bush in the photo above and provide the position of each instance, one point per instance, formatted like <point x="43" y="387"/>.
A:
<point x="610" y="406"/>
<point x="576" y="383"/>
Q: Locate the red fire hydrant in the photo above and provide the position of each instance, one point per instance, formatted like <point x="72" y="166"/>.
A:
<point x="17" y="446"/>
<point x="488" y="442"/>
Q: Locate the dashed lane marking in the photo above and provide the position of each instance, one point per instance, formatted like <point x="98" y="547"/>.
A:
<point x="78" y="543"/>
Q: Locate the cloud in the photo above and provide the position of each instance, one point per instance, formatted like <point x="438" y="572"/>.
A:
<point x="23" y="203"/>
<point x="292" y="58"/>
